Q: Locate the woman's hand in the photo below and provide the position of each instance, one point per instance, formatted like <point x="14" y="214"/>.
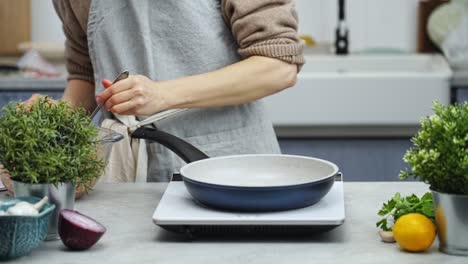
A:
<point x="34" y="99"/>
<point x="136" y="95"/>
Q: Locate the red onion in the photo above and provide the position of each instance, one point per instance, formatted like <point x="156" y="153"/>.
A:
<point x="78" y="231"/>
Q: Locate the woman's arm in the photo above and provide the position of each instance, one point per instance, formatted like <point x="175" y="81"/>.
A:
<point x="79" y="93"/>
<point x="242" y="82"/>
<point x="239" y="83"/>
<point x="80" y="87"/>
<point x="266" y="32"/>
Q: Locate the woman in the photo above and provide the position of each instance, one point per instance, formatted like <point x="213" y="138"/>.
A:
<point x="217" y="57"/>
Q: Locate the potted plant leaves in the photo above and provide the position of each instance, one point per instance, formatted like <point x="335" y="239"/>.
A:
<point x="439" y="157"/>
<point x="50" y="149"/>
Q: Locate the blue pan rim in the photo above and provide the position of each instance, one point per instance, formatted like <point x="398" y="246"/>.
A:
<point x="259" y="188"/>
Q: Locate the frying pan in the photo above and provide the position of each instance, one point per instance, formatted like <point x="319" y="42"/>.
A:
<point x="255" y="183"/>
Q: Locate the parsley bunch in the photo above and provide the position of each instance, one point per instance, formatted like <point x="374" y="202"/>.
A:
<point x="440" y="153"/>
<point x="50" y="142"/>
<point x="399" y="206"/>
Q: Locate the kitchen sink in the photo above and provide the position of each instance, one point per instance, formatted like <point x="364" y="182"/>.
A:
<point x="362" y="90"/>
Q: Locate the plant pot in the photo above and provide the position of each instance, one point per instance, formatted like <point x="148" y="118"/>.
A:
<point x="452" y="222"/>
<point x="63" y="196"/>
<point x="7" y="182"/>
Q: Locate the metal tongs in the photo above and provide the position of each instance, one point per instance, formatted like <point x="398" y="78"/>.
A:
<point x="121" y="76"/>
<point x="157" y="117"/>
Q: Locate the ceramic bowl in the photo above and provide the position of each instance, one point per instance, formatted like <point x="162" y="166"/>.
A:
<point x="21" y="234"/>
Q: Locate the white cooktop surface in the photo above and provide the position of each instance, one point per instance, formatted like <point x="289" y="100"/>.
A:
<point x="177" y="207"/>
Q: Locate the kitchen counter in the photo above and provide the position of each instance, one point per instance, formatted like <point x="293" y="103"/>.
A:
<point x="16" y="82"/>
<point x="126" y="210"/>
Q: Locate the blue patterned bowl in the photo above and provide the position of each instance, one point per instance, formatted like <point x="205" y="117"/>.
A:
<point x="19" y="235"/>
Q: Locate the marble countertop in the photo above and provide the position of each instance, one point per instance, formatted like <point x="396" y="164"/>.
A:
<point x="126" y="210"/>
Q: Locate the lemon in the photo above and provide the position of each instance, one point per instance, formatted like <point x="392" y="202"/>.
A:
<point x="414" y="232"/>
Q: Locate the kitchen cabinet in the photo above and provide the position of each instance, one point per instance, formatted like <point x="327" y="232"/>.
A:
<point x="7" y="96"/>
<point x="362" y="91"/>
<point x="462" y="94"/>
<point x="360" y="159"/>
<point x="126" y="210"/>
<point x="16" y="89"/>
<point x="460" y="86"/>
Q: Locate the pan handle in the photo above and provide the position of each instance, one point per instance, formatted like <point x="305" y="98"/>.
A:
<point x="182" y="148"/>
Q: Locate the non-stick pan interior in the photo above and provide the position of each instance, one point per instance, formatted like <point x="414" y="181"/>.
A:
<point x="259" y="170"/>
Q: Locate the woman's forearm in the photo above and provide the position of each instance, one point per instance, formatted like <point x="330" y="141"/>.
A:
<point x="80" y="93"/>
<point x="242" y="82"/>
<point x="239" y="83"/>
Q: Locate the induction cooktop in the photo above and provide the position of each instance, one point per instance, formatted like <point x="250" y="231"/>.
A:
<point x="179" y="212"/>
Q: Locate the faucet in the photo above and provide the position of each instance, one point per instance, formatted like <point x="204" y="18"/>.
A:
<point x="341" y="39"/>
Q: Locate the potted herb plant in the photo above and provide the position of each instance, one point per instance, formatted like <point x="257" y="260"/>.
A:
<point x="439" y="157"/>
<point x="48" y="149"/>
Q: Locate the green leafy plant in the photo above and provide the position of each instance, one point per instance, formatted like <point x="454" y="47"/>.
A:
<point x="49" y="142"/>
<point x="399" y="206"/>
<point x="440" y="153"/>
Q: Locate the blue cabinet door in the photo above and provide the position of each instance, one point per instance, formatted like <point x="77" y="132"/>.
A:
<point x="359" y="159"/>
<point x="7" y="96"/>
<point x="462" y="94"/>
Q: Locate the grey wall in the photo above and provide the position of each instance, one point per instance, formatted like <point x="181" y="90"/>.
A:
<point x="372" y="23"/>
